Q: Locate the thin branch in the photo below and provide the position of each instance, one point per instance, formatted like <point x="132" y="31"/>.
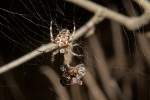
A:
<point x="131" y="23"/>
<point x="53" y="77"/>
<point x="110" y="86"/>
<point x="127" y="82"/>
<point x="144" y="46"/>
<point x="45" y="48"/>
<point x="14" y="87"/>
<point x="50" y="46"/>
<point x="93" y="87"/>
<point x="148" y="34"/>
<point x="76" y="93"/>
<point x="12" y="84"/>
<point x="144" y="3"/>
<point x="118" y="43"/>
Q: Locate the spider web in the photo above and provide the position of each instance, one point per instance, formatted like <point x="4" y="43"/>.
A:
<point x="24" y="26"/>
<point x="25" y="23"/>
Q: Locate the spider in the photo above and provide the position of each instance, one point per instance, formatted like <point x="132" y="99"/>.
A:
<point x="63" y="40"/>
<point x="73" y="75"/>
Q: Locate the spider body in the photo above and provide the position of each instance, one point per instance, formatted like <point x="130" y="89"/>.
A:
<point x="73" y="75"/>
<point x="63" y="40"/>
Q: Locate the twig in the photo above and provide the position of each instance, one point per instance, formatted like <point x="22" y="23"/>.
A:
<point x="131" y="23"/>
<point x="144" y="3"/>
<point x="110" y="86"/>
<point x="45" y="48"/>
<point x="148" y="34"/>
<point x="93" y="87"/>
<point x="118" y="44"/>
<point x="127" y="82"/>
<point x="144" y="46"/>
<point x="90" y="32"/>
<point x="13" y="86"/>
<point x="139" y="67"/>
<point x="53" y="77"/>
<point x="49" y="47"/>
<point x="76" y="93"/>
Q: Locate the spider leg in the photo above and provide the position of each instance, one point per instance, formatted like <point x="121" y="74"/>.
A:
<point x="75" y="54"/>
<point x="51" y="32"/>
<point x="71" y="48"/>
<point x="53" y="55"/>
<point x="76" y="44"/>
<point x="74" y="30"/>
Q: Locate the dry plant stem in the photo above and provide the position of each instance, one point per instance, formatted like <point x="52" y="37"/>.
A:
<point x="89" y="60"/>
<point x="118" y="45"/>
<point x="127" y="82"/>
<point x="45" y="48"/>
<point x="148" y="34"/>
<point x="110" y="86"/>
<point x="93" y="87"/>
<point x="144" y="3"/>
<point x="91" y="32"/>
<point x="49" y="47"/>
<point x="129" y="7"/>
<point x="54" y="79"/>
<point x="144" y="46"/>
<point x="102" y="67"/>
<point x="68" y="56"/>
<point x="76" y="93"/>
<point x="131" y="23"/>
<point x="13" y="86"/>
<point x="141" y="38"/>
<point x="121" y="60"/>
<point x="142" y="87"/>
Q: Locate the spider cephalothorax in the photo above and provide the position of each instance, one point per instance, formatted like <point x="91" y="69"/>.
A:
<point x="73" y="75"/>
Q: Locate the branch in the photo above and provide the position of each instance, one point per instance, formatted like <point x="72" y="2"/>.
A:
<point x="144" y="46"/>
<point x="49" y="47"/>
<point x="109" y="84"/>
<point x="131" y="23"/>
<point x="45" y="48"/>
<point x="148" y="34"/>
<point x="93" y="87"/>
<point x="54" y="78"/>
<point x="144" y="3"/>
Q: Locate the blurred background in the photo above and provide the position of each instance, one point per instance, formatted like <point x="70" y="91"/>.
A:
<point x="117" y="59"/>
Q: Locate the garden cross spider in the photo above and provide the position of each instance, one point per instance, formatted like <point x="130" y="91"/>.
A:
<point x="64" y="40"/>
